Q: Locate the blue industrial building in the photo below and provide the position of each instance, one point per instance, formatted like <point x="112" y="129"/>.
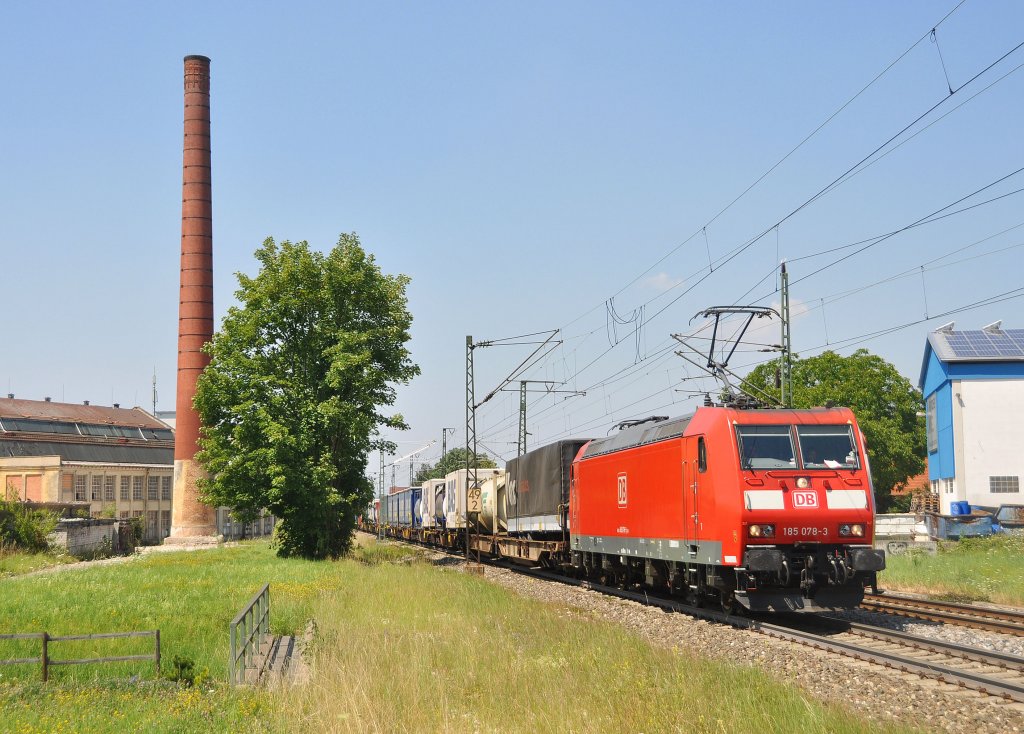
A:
<point x="973" y="388"/>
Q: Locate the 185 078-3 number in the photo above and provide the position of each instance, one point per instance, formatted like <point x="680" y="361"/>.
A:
<point x="805" y="532"/>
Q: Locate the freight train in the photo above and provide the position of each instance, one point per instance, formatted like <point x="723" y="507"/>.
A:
<point x="764" y="510"/>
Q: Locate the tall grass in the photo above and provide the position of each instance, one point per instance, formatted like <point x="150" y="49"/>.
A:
<point x="973" y="569"/>
<point x="417" y="649"/>
<point x="402" y="647"/>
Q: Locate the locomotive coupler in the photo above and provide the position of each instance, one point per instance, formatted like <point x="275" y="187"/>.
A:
<point x="807" y="574"/>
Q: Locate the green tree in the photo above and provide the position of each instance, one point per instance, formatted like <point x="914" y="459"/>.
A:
<point x="887" y="407"/>
<point x="293" y="395"/>
<point x="453" y="460"/>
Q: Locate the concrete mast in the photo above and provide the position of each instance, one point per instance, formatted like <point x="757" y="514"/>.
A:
<point x="192" y="521"/>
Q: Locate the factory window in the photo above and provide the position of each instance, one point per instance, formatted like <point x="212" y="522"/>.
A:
<point x="1004" y="485"/>
<point x="108" y="488"/>
<point x="126" y="488"/>
<point x="165" y="522"/>
<point x="950" y="486"/>
<point x="932" y="430"/>
<point x="80" y="488"/>
<point x="165" y="488"/>
<point x="153" y="490"/>
<point x="136" y="488"/>
<point x="124" y="514"/>
<point x="136" y="513"/>
<point x="151" y="518"/>
<point x="97" y="488"/>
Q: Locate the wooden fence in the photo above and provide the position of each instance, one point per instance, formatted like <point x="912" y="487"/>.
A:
<point x="46" y="639"/>
<point x="247" y="631"/>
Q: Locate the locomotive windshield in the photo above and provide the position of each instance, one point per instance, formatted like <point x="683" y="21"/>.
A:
<point x="766" y="447"/>
<point x="827" y="447"/>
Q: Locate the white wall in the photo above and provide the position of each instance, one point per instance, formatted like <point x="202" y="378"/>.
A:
<point x="990" y="438"/>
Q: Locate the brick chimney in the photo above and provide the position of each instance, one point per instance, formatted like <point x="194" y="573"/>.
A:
<point x="192" y="521"/>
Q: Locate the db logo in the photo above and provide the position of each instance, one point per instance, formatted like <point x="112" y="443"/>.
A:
<point x="622" y="490"/>
<point x="805" y="499"/>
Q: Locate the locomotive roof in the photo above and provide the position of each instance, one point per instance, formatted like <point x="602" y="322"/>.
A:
<point x="640" y="435"/>
<point x="654" y="431"/>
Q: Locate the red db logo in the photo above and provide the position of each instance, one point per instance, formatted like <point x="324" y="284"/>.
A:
<point x="805" y="499"/>
<point x="622" y="490"/>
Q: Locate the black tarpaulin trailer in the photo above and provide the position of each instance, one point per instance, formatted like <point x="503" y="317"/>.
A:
<point x="537" y="493"/>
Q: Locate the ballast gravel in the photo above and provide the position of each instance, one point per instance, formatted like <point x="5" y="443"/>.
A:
<point x="871" y="691"/>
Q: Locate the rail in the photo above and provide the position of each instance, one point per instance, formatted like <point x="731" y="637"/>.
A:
<point x="247" y="630"/>
<point x="47" y="639"/>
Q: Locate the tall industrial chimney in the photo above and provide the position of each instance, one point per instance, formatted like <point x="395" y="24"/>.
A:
<point x="193" y="521"/>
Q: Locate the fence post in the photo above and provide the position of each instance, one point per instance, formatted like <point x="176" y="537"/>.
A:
<point x="157" y="654"/>
<point x="46" y="657"/>
<point x="234" y="659"/>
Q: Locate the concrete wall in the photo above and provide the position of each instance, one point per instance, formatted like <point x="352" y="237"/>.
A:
<point x="82" y="537"/>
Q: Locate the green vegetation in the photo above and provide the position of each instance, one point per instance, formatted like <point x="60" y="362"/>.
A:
<point x="401" y="646"/>
<point x="973" y="569"/>
<point x="293" y="394"/>
<point x="452" y="461"/>
<point x="15" y="562"/>
<point x="887" y="407"/>
<point x="23" y="527"/>
<point x="471" y="656"/>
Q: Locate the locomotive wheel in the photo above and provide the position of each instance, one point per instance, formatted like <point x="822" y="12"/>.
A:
<point x="729" y="604"/>
<point x="694" y="598"/>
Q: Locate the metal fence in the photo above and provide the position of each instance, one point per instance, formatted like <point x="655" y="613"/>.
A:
<point x="247" y="630"/>
<point x="47" y="639"/>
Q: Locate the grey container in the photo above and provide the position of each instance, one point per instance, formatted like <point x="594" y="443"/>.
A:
<point x="537" y="492"/>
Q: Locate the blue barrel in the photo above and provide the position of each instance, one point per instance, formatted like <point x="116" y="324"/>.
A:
<point x="965" y="507"/>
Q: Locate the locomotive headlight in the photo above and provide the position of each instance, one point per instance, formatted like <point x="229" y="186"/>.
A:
<point x="855" y="530"/>
<point x="761" y="531"/>
<point x="803" y="482"/>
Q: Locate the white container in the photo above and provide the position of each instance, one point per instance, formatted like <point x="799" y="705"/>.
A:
<point x="455" y="495"/>
<point x="432" y="502"/>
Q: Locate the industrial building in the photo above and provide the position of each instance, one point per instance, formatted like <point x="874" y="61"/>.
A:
<point x="973" y="388"/>
<point x="116" y="462"/>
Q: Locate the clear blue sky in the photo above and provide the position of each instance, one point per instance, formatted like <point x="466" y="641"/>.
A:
<point x="523" y="163"/>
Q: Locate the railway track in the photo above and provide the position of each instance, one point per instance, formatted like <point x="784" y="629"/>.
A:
<point x="964" y="615"/>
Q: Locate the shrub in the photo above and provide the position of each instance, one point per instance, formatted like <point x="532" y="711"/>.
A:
<point x="24" y="527"/>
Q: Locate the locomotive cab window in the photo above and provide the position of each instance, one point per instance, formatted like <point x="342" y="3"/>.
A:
<point x="702" y="455"/>
<point x="827" y="447"/>
<point x="766" y="447"/>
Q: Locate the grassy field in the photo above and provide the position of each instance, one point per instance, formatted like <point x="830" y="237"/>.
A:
<point x="974" y="569"/>
<point x="401" y="646"/>
<point x="15" y="563"/>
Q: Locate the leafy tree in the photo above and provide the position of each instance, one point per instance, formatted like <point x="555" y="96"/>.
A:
<point x="887" y="407"/>
<point x="453" y="460"/>
<point x="293" y="395"/>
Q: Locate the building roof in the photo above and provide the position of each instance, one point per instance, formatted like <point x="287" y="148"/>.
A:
<point x="83" y="433"/>
<point x="92" y="453"/>
<point x="75" y="413"/>
<point x="989" y="344"/>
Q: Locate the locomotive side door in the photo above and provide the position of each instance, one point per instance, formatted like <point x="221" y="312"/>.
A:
<point x="694" y="463"/>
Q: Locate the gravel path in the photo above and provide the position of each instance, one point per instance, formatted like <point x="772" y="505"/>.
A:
<point x="874" y="692"/>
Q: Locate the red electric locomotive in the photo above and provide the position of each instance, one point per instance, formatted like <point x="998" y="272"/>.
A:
<point x="772" y="510"/>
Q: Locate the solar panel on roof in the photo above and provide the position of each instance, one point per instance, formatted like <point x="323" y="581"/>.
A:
<point x="979" y="344"/>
